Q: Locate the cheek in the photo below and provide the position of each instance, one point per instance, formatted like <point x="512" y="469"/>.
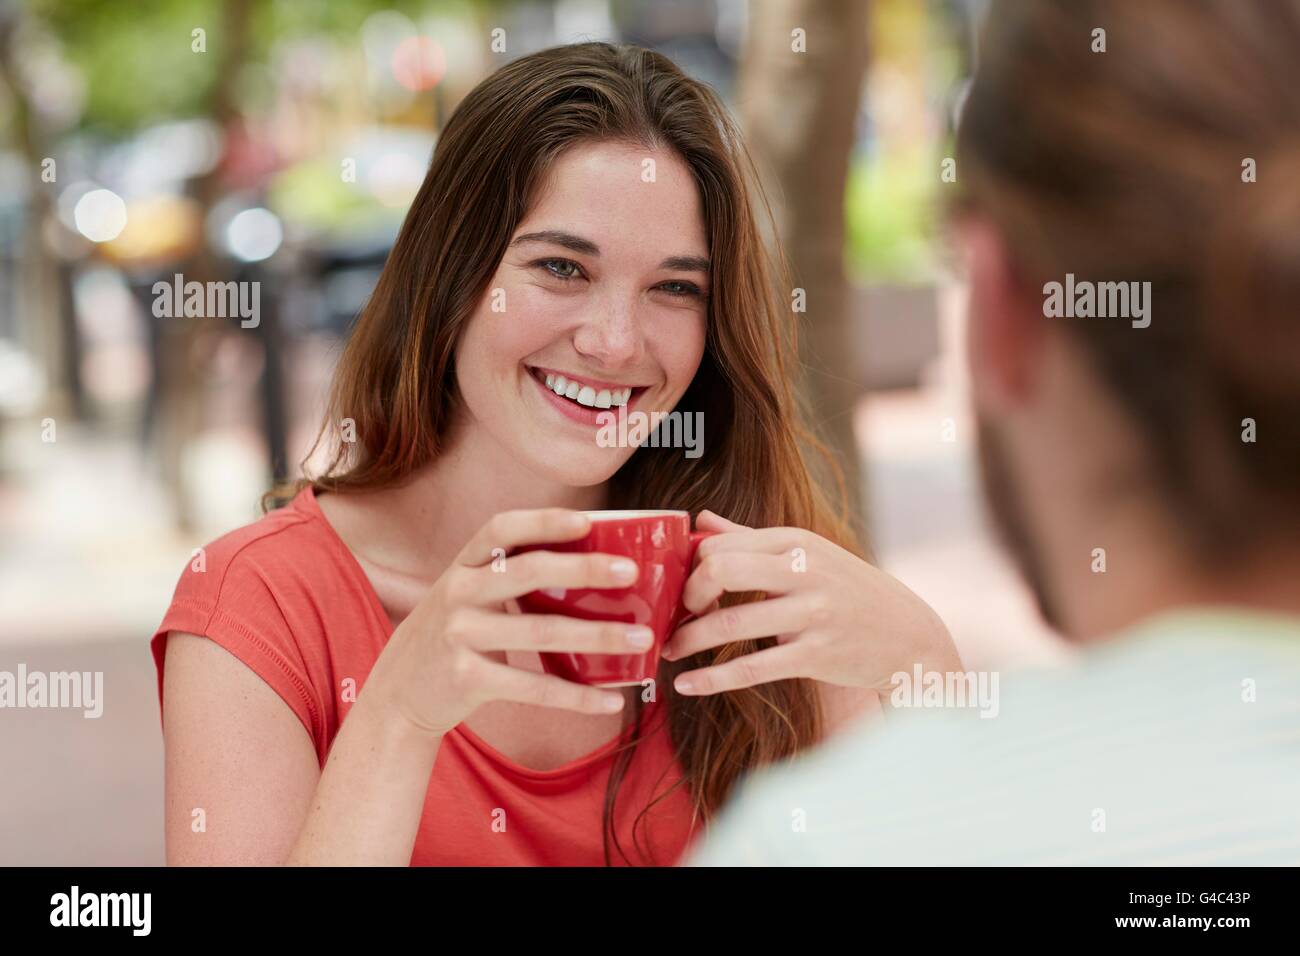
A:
<point x="533" y="319"/>
<point x="680" y="353"/>
<point x="510" y="326"/>
<point x="536" y="316"/>
<point x="979" y="366"/>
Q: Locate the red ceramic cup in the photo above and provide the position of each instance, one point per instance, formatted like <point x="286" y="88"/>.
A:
<point x="663" y="546"/>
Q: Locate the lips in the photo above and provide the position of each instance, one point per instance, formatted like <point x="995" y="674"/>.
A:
<point x="583" y="400"/>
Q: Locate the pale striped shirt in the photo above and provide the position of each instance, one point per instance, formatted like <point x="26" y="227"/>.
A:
<point x="1176" y="743"/>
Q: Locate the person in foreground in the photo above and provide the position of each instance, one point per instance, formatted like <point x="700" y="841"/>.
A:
<point x="1144" y="469"/>
<point x="347" y="679"/>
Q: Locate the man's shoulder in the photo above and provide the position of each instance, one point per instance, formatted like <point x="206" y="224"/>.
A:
<point x="1107" y="760"/>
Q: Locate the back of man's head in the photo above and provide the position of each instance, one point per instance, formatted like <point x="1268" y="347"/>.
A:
<point x="1140" y="164"/>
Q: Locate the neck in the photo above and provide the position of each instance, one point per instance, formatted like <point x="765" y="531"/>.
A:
<point x="429" y="519"/>
<point x="1148" y="573"/>
<point x="1085" y="487"/>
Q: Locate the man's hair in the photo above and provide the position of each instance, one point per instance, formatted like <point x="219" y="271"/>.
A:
<point x="1166" y="150"/>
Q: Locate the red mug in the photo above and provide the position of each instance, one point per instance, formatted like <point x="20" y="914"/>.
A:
<point x="663" y="546"/>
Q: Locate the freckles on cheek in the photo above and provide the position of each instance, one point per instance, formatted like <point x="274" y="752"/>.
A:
<point x="533" y="316"/>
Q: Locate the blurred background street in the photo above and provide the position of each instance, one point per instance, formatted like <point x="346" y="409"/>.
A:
<point x="286" y="153"/>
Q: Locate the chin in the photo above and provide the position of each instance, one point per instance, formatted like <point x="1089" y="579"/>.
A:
<point x="576" y="471"/>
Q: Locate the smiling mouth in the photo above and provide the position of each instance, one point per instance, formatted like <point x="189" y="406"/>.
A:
<point x="586" y="395"/>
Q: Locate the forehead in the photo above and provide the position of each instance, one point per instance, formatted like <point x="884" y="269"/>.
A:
<point x="627" y="199"/>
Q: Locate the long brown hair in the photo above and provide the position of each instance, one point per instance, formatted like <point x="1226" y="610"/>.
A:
<point x="1171" y="157"/>
<point x="396" y="379"/>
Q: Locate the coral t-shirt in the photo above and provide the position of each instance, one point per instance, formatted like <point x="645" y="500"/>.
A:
<point x="286" y="596"/>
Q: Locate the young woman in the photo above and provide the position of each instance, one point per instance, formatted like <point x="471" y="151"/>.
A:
<point x="587" y="214"/>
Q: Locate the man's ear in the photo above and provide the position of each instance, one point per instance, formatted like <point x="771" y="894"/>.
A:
<point x="1004" y="325"/>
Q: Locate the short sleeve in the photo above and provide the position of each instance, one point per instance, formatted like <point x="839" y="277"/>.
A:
<point x="230" y="598"/>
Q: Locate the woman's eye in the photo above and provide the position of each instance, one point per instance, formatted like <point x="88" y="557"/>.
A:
<point x="560" y="268"/>
<point x="681" y="288"/>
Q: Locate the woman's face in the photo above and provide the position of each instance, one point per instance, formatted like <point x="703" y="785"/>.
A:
<point x="605" y="283"/>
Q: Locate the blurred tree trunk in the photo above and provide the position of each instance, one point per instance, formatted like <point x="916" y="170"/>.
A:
<point x="46" y="320"/>
<point x="799" y="111"/>
<point x="188" y="344"/>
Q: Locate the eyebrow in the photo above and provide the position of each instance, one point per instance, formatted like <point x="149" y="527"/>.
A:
<point x="588" y="248"/>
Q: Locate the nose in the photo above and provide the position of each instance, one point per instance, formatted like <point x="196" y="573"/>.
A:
<point x="611" y="336"/>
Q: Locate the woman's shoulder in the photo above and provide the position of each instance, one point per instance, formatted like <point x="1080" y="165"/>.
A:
<point x="275" y="548"/>
<point x="275" y="593"/>
<point x="288" y="564"/>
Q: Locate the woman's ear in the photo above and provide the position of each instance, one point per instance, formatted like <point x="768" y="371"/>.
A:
<point x="1004" y="325"/>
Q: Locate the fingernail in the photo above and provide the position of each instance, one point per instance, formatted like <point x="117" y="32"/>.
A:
<point x="683" y="685"/>
<point x="623" y="568"/>
<point x="613" y="703"/>
<point x="667" y="652"/>
<point x="640" y="637"/>
<point x="578" y="521"/>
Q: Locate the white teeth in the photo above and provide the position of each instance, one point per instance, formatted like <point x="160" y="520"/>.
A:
<point x="587" y="394"/>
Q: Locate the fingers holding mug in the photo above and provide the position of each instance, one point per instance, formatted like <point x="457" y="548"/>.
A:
<point x="542" y="570"/>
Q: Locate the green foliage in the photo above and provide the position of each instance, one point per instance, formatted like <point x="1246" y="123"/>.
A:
<point x="313" y="195"/>
<point x="889" y="206"/>
<point x="136" y="56"/>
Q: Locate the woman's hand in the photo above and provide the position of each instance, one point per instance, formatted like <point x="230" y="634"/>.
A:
<point x="436" y="669"/>
<point x="836" y="618"/>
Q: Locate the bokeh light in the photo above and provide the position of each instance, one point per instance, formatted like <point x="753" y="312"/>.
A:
<point x="100" y="215"/>
<point x="254" y="235"/>
<point x="419" y="63"/>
